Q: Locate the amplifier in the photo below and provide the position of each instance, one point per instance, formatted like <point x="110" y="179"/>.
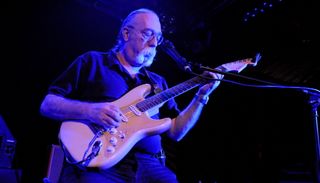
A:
<point x="10" y="175"/>
<point x="7" y="145"/>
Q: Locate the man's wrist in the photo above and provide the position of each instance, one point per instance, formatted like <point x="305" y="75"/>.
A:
<point x="201" y="98"/>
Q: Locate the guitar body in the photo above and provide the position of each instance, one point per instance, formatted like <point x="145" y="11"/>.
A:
<point x="116" y="143"/>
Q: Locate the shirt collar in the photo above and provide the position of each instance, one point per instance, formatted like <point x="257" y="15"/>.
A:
<point x="114" y="62"/>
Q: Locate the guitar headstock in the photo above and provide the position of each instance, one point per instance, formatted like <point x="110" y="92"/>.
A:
<point x="239" y="65"/>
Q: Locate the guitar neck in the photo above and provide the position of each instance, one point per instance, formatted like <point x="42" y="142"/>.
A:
<point x="170" y="93"/>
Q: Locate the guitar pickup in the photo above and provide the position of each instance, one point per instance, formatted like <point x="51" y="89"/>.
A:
<point x="135" y="110"/>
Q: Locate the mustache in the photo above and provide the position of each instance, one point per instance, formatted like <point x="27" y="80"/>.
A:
<point x="149" y="51"/>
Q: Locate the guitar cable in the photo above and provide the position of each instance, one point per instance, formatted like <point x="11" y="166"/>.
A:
<point x="96" y="145"/>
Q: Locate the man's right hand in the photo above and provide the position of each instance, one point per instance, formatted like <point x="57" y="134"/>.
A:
<point x="105" y="114"/>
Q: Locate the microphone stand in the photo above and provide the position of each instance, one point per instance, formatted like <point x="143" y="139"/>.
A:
<point x="205" y="68"/>
<point x="314" y="101"/>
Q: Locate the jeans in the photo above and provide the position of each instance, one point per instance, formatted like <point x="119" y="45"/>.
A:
<point x="136" y="167"/>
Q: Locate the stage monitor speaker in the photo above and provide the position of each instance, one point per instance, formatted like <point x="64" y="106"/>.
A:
<point x="7" y="145"/>
<point x="55" y="164"/>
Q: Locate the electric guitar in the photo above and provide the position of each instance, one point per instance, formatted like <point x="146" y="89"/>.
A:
<point x="106" y="147"/>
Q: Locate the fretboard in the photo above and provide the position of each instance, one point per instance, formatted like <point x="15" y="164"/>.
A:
<point x="170" y="93"/>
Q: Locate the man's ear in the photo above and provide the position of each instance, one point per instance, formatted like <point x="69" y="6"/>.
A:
<point x="125" y="34"/>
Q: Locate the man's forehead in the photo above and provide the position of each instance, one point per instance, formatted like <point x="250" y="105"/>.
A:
<point x="147" y="20"/>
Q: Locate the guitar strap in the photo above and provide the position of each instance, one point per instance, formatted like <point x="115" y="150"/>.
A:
<point x="155" y="87"/>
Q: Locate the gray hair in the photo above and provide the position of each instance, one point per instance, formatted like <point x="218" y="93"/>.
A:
<point x="125" y="22"/>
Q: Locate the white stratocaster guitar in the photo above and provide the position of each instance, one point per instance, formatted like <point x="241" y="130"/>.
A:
<point x="106" y="147"/>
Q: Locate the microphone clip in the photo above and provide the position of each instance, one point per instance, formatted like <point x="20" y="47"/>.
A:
<point x="168" y="47"/>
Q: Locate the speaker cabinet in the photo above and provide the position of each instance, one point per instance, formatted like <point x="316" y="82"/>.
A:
<point x="10" y="175"/>
<point x="7" y="145"/>
<point x="55" y="164"/>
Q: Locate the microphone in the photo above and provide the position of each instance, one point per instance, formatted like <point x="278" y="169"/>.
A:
<point x="168" y="47"/>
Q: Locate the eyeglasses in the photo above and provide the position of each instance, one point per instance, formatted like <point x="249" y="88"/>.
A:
<point x="149" y="34"/>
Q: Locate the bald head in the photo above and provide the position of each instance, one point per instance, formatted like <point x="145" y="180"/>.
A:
<point x="135" y="17"/>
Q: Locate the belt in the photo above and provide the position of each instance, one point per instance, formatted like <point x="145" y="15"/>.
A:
<point x="159" y="155"/>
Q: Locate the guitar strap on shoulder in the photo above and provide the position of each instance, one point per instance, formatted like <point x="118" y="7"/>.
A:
<point x="155" y="87"/>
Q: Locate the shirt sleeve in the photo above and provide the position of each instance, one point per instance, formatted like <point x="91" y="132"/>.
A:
<point x="67" y="82"/>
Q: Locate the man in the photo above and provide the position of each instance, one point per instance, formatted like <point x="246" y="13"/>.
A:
<point x="86" y="90"/>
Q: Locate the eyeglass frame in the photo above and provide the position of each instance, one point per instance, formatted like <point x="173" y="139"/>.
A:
<point x="144" y="32"/>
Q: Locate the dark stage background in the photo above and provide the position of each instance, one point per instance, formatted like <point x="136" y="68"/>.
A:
<point x="245" y="134"/>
